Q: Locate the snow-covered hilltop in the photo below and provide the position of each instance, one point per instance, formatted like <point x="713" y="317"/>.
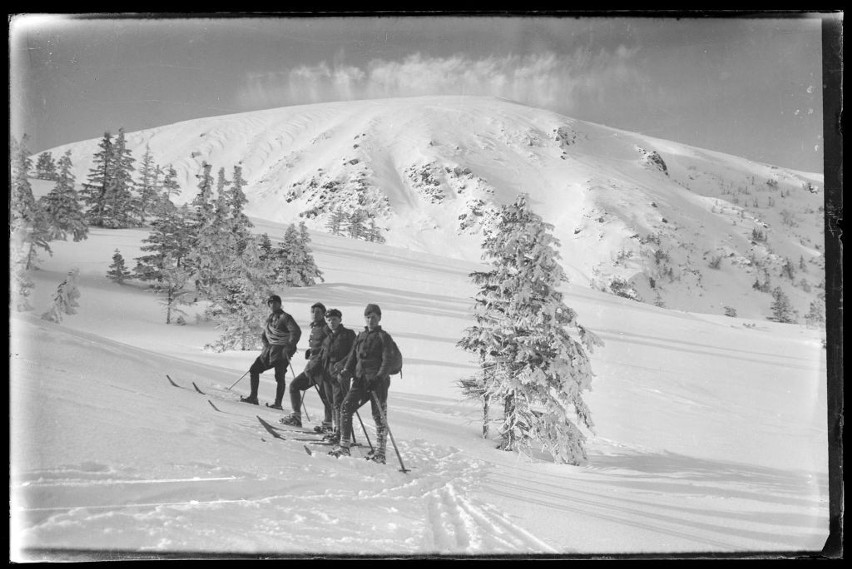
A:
<point x="641" y="217"/>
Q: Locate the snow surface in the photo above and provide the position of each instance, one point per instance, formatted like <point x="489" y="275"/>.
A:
<point x="710" y="431"/>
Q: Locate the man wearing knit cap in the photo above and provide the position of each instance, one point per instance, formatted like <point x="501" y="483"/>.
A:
<point x="335" y="350"/>
<point x="280" y="336"/>
<point x="313" y="373"/>
<point x="367" y="365"/>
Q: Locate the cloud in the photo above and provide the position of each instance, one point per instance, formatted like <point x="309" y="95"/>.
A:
<point x="547" y="80"/>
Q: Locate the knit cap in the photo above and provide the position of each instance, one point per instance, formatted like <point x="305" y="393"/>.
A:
<point x="373" y="308"/>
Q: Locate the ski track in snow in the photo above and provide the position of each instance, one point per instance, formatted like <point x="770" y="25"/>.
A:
<point x="374" y="508"/>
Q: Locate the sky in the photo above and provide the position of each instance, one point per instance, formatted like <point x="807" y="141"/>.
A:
<point x="748" y="86"/>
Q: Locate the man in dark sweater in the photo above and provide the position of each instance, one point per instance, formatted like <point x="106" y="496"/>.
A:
<point x="280" y="336"/>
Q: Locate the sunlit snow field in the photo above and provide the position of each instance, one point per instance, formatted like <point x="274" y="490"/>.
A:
<point x="710" y="432"/>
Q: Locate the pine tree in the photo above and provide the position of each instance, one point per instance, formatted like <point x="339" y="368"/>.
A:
<point x="335" y="221"/>
<point x="202" y="204"/>
<point x="118" y="272"/>
<point x="118" y="208"/>
<point x="29" y="229"/>
<point x="529" y="361"/>
<point x="781" y="309"/>
<point x="306" y="266"/>
<point x="169" y="242"/>
<point x="46" y="167"/>
<point x="356" y="223"/>
<point x="816" y="314"/>
<point x="61" y="206"/>
<point x="65" y="298"/>
<point x="171" y="188"/>
<point x="95" y="189"/>
<point x="172" y="286"/>
<point x="239" y="307"/>
<point x="788" y="270"/>
<point x="148" y="186"/>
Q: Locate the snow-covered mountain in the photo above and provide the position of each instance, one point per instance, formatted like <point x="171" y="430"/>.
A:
<point x="654" y="220"/>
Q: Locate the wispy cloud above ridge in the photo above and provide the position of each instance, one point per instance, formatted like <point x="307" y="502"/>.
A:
<point x="546" y="80"/>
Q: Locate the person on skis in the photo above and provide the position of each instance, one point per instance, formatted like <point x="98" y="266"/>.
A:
<point x="280" y="336"/>
<point x="335" y="349"/>
<point x="367" y="365"/>
<point x="312" y="374"/>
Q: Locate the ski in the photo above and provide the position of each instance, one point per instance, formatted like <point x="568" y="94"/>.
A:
<point x="197" y="389"/>
<point x="269" y="428"/>
<point x="309" y="451"/>
<point x="274" y="407"/>
<point x="172" y="381"/>
<point x="211" y="404"/>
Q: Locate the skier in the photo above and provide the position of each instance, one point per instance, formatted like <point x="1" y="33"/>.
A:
<point x="280" y="336"/>
<point x="367" y="365"/>
<point x="313" y="372"/>
<point x="335" y="349"/>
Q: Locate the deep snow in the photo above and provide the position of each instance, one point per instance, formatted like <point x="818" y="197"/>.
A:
<point x="710" y="431"/>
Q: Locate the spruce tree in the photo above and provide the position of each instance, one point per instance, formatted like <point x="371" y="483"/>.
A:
<point x="119" y="202"/>
<point x="96" y="187"/>
<point x="202" y="204"/>
<point x="169" y="242"/>
<point x="531" y="362"/>
<point x="148" y="186"/>
<point x="306" y="267"/>
<point x="240" y="304"/>
<point x="65" y="298"/>
<point x="46" y="167"/>
<point x="29" y="229"/>
<point x="62" y="205"/>
<point x="780" y="307"/>
<point x="171" y="188"/>
<point x="118" y="272"/>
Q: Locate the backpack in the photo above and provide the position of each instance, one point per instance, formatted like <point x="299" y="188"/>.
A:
<point x="394" y="366"/>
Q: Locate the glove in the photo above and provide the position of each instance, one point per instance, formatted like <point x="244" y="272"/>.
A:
<point x="308" y="354"/>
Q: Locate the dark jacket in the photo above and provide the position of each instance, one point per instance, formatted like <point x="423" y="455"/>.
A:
<point x="369" y="355"/>
<point x="281" y="330"/>
<point x="319" y="331"/>
<point x="336" y="348"/>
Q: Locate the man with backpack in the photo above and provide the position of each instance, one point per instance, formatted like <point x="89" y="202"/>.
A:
<point x="313" y="372"/>
<point x="370" y="364"/>
<point x="280" y="336"/>
<point x="335" y="350"/>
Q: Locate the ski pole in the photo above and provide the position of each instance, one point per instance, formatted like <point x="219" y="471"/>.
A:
<point x="239" y="380"/>
<point x="363" y="428"/>
<point x="304" y="407"/>
<point x="385" y="421"/>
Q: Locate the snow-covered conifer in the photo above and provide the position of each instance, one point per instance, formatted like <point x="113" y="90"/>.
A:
<point x="782" y="311"/>
<point x="119" y="211"/>
<point x="148" y="186"/>
<point x="169" y="241"/>
<point x="29" y="229"/>
<point x="202" y="204"/>
<point x="65" y="298"/>
<point x="532" y="350"/>
<point x="45" y="167"/>
<point x="95" y="189"/>
<point x="118" y="271"/>
<point x="306" y="268"/>
<point x="61" y="206"/>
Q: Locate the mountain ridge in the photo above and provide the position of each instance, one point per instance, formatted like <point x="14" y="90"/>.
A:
<point x="642" y="217"/>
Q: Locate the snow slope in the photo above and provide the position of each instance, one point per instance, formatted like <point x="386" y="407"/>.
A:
<point x="710" y="431"/>
<point x="626" y="207"/>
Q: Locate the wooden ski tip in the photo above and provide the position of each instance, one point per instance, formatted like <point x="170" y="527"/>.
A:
<point x="308" y="450"/>
<point x="196" y="388"/>
<point x="211" y="404"/>
<point x="171" y="381"/>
